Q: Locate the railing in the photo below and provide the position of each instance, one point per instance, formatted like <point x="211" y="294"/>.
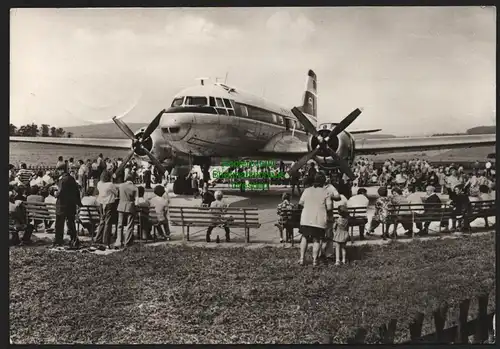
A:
<point x="481" y="327"/>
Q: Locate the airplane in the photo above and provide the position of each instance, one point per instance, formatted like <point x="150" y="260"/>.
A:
<point x="210" y="122"/>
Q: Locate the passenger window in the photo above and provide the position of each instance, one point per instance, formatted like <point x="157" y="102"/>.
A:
<point x="220" y="104"/>
<point x="212" y="102"/>
<point x="196" y="101"/>
<point x="280" y="120"/>
<point x="227" y="103"/>
<point x="244" y="110"/>
<point x="177" y="102"/>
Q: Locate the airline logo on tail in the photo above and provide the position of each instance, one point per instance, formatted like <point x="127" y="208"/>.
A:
<point x="309" y="102"/>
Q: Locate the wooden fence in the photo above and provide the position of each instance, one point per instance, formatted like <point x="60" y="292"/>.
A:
<point x="481" y="327"/>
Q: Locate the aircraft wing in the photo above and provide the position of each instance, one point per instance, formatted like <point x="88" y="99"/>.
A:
<point x="411" y="144"/>
<point x="115" y="143"/>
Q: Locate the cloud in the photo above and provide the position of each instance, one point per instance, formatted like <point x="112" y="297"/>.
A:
<point x="282" y="27"/>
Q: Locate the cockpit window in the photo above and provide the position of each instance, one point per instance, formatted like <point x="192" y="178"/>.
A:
<point x="177" y="102"/>
<point x="212" y="101"/>
<point x="220" y="104"/>
<point x="196" y="101"/>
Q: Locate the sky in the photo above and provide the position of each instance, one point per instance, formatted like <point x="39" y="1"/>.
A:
<point x="414" y="70"/>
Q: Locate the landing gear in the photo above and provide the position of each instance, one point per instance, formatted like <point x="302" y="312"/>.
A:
<point x="182" y="186"/>
<point x="206" y="174"/>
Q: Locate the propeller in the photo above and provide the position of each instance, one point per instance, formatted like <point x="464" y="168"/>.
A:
<point x="125" y="129"/>
<point x="153" y="125"/>
<point x="138" y="144"/>
<point x="323" y="142"/>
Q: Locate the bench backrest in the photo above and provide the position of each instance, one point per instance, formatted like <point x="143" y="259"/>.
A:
<point x="148" y="212"/>
<point x="421" y="208"/>
<point x="89" y="214"/>
<point x="479" y="206"/>
<point x="210" y="215"/>
<point x="294" y="214"/>
<point x="40" y="210"/>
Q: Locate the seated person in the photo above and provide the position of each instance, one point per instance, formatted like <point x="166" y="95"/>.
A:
<point x="89" y="219"/>
<point x="207" y="196"/>
<point x="218" y="203"/>
<point x="160" y="203"/>
<point x="142" y="206"/>
<point x="360" y="200"/>
<point x="17" y="222"/>
<point x="432" y="204"/>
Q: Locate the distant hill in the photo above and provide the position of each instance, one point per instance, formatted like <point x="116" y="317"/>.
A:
<point x="109" y="130"/>
<point x="481" y="130"/>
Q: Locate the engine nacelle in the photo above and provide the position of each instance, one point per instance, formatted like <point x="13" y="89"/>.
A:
<point x="343" y="145"/>
<point x="161" y="151"/>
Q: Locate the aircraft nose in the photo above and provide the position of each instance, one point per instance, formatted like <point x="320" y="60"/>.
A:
<point x="175" y="126"/>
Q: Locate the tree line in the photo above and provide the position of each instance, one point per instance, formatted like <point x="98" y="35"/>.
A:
<point x="33" y="130"/>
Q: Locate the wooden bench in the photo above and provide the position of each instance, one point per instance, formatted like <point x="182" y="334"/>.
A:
<point x="291" y="220"/>
<point x="40" y="211"/>
<point x="146" y="213"/>
<point x="88" y="217"/>
<point x="482" y="209"/>
<point x="417" y="213"/>
<point x="231" y="217"/>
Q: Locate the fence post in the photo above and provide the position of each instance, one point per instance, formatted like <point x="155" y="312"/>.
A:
<point x="359" y="337"/>
<point x="440" y="316"/>
<point x="482" y="325"/>
<point x="462" y="333"/>
<point x="416" y="327"/>
<point x="387" y="332"/>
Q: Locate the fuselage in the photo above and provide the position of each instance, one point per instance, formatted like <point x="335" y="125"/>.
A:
<point x="218" y="121"/>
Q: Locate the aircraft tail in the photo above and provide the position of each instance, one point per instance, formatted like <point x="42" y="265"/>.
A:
<point x="309" y="101"/>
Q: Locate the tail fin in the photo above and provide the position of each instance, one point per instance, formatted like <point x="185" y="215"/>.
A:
<point x="310" y="99"/>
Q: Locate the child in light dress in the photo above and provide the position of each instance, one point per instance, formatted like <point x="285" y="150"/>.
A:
<point x="341" y="234"/>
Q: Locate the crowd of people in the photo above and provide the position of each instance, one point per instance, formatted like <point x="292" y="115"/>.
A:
<point x="88" y="183"/>
<point x="73" y="184"/>
<point x="326" y="192"/>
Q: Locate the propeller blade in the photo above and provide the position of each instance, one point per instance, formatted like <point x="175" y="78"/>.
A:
<point x="349" y="119"/>
<point x="305" y="121"/>
<point x="125" y="129"/>
<point x="303" y="160"/>
<point x="153" y="125"/>
<point x="344" y="166"/>
<point x="154" y="160"/>
<point x="125" y="161"/>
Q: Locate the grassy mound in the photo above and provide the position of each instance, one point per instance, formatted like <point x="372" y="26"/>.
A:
<point x="196" y="295"/>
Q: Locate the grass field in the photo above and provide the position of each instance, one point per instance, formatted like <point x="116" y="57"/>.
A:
<point x="195" y="295"/>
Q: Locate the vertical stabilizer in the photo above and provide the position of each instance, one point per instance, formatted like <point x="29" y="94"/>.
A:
<point x="310" y="99"/>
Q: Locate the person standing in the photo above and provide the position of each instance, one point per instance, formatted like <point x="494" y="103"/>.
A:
<point x="126" y="212"/>
<point x="66" y="207"/>
<point x="106" y="198"/>
<point x="82" y="176"/>
<point x="333" y="195"/>
<point x="317" y="207"/>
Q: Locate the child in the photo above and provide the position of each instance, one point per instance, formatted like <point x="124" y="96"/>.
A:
<point x="341" y="234"/>
<point x="284" y="209"/>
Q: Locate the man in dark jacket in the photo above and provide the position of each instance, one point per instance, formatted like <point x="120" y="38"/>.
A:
<point x="432" y="206"/>
<point x="66" y="206"/>
<point x="461" y="208"/>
